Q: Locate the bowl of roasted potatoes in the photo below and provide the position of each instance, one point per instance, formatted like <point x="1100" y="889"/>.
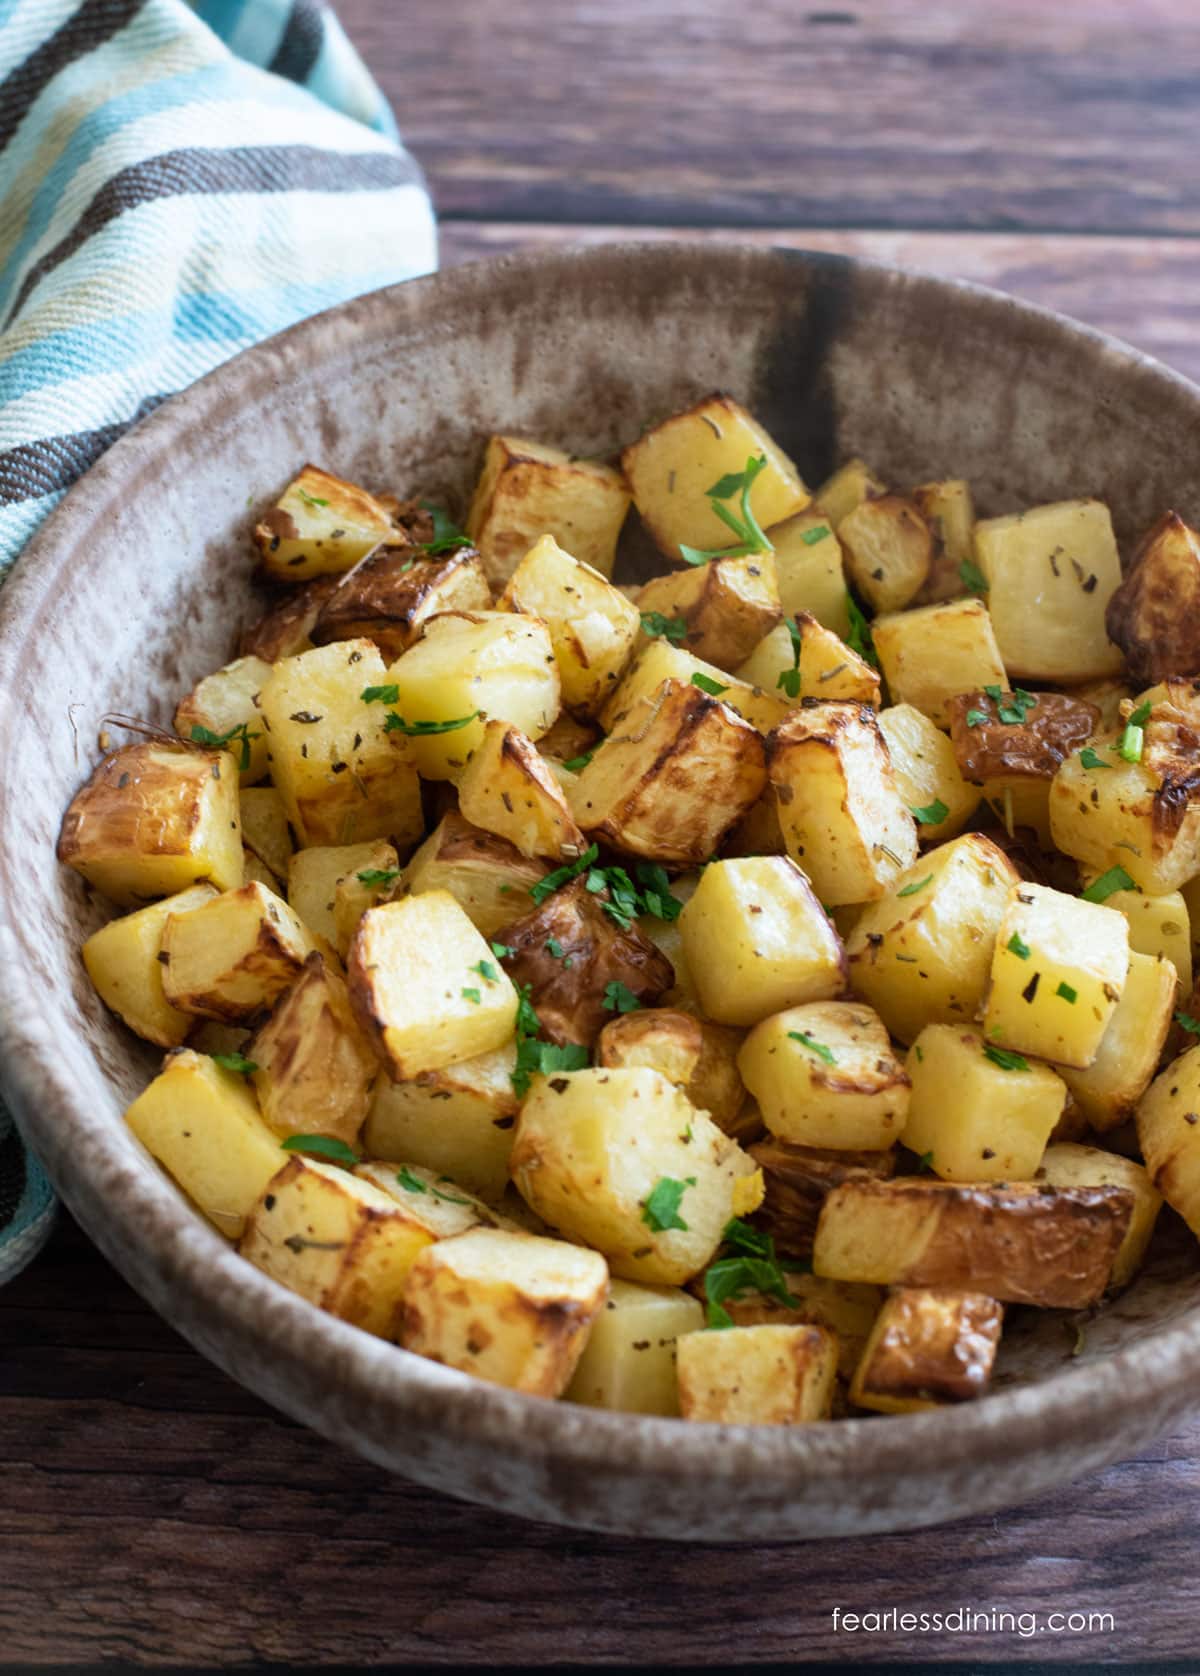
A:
<point x="601" y="863"/>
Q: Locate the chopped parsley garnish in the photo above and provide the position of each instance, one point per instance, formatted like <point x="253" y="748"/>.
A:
<point x="217" y="741"/>
<point x="660" y="1212"/>
<point x="933" y="814"/>
<point x="578" y="764"/>
<point x="753" y="1267"/>
<point x="234" y="1062"/>
<point x="1107" y="884"/>
<point x="659" y="627"/>
<point x="446" y="533"/>
<point x="976" y="718"/>
<point x="501" y="951"/>
<point x="310" y="500"/>
<point x="562" y="875"/>
<point x="1133" y="736"/>
<point x="1092" y="759"/>
<point x="625" y="900"/>
<point x="1013" y="710"/>
<point x="536" y="1058"/>
<point x="925" y="1163"/>
<point x="1188" y="1023"/>
<point x="917" y="884"/>
<point x="859" y="638"/>
<point x="554" y="948"/>
<point x="377" y="875"/>
<point x="972" y="578"/>
<point x="394" y="723"/>
<point x="619" y="999"/>
<point x="413" y="1184"/>
<point x="707" y="685"/>
<point x="322" y="1146"/>
<point x="472" y="995"/>
<point x="486" y="971"/>
<point x="743" y="523"/>
<point x="1018" y="947"/>
<point x="817" y="533"/>
<point x="813" y="1046"/>
<point x="1067" y="993"/>
<point x="1007" y="1061"/>
<point x="789" y="679"/>
<point x="387" y="694"/>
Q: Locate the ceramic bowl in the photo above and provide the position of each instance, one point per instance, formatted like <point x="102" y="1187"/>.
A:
<point x="135" y="587"/>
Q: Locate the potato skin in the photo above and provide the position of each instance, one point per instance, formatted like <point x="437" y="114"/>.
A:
<point x="315" y="1067"/>
<point x="1154" y="616"/>
<point x="995" y="750"/>
<point x="285" y="627"/>
<point x="390" y="593"/>
<point x="797" y="1179"/>
<point x="928" y="1347"/>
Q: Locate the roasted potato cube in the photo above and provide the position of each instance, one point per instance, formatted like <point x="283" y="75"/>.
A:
<point x="424" y="985"/>
<point x="976" y="1114"/>
<point x="1125" y="1063"/>
<point x="122" y="962"/>
<point x="949" y="511"/>
<point x="666" y="1041"/>
<point x="255" y="870"/>
<point x="153" y="820"/>
<point x="1066" y="1165"/>
<point x="528" y="490"/>
<point x="203" y="1126"/>
<point x="758" y="1376"/>
<point x="510" y="1308"/>
<point x="1142" y="817"/>
<point x="458" y="1121"/>
<point x="673" y="468"/>
<point x="682" y="769"/>
<point x="888" y="549"/>
<point x="343" y="775"/>
<point x="1058" y="968"/>
<point x="758" y="832"/>
<point x="593" y="627"/>
<point x="923" y="953"/>
<point x="507" y="789"/>
<point x="716" y="1086"/>
<point x="821" y="666"/>
<point x="809" y="571"/>
<point x="490" y="665"/>
<point x="223" y="709"/>
<point x="1050" y="574"/>
<point x="757" y="940"/>
<point x="230" y="958"/>
<point x="841" y="814"/>
<point x="488" y="878"/>
<point x="1017" y="804"/>
<point x="726" y="605"/>
<point x="629" y="1361"/>
<point x="1168" y="1132"/>
<point x="847" y="1311"/>
<point x="389" y="596"/>
<point x="319" y="525"/>
<point x="930" y="654"/>
<point x="568" y="740"/>
<point x="314" y="1067"/>
<point x="796" y="1180"/>
<point x="265" y="828"/>
<point x="663" y="662"/>
<point x="286" y="627"/>
<point x="1020" y="1243"/>
<point x="824" y="1075"/>
<point x="315" y="874"/>
<point x="1153" y="614"/>
<point x="442" y="1205"/>
<point x="623" y="1161"/>
<point x="993" y="746"/>
<point x="847" y="489"/>
<point x="928" y="1348"/>
<point x="371" y="881"/>
<point x="579" y="964"/>
<point x="927" y="773"/>
<point x="1159" y="926"/>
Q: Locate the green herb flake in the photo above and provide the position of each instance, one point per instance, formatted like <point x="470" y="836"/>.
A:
<point x="562" y="875"/>
<point x="218" y="741"/>
<point x="1188" y="1023"/>
<point x="660" y="1212"/>
<point x="387" y="694"/>
<point x="446" y="534"/>
<point x="501" y="951"/>
<point x="708" y="685"/>
<point x="322" y="1146"/>
<point x="234" y="1062"/>
<point x="1014" y="709"/>
<point x="659" y="627"/>
<point x="859" y="638"/>
<point x="932" y="814"/>
<point x="486" y="971"/>
<point x="817" y="533"/>
<point x="752" y="1267"/>
<point x="554" y="948"/>
<point x="810" y="1042"/>
<point x="1065" y="991"/>
<point x="409" y="1182"/>
<point x="789" y="679"/>
<point x="920" y="1053"/>
<point x="1108" y="884"/>
<point x="925" y="1163"/>
<point x="1092" y="759"/>
<point x="394" y="723"/>
<point x="619" y="999"/>
<point x="1016" y="946"/>
<point x="917" y="884"/>
<point x="976" y="718"/>
<point x="1006" y="1060"/>
<point x="745" y="526"/>
<point x="310" y="500"/>
<point x="578" y="764"/>
<point x="972" y="578"/>
<point x="1133" y="735"/>
<point x="377" y="875"/>
<point x="472" y="995"/>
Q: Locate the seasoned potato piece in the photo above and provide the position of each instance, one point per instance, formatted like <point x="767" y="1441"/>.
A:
<point x="1153" y="615"/>
<point x="927" y="773"/>
<point x="392" y="593"/>
<point x="265" y="829"/>
<point x="682" y="769"/>
<point x="1158" y="925"/>
<point x="1058" y="968"/>
<point x="507" y="789"/>
<point x="286" y="627"/>
<point x="486" y="665"/>
<point x="924" y="951"/>
<point x="1127" y="815"/>
<point x="809" y="571"/>
<point x="488" y="878"/>
<point x="847" y="1311"/>
<point x="568" y="740"/>
<point x="847" y="489"/>
<point x="629" y="1361"/>
<point x="673" y="468"/>
<point x="122" y="962"/>
<point x="424" y="985"/>
<point x="458" y="1121"/>
<point x="717" y="1087"/>
<point x="822" y="667"/>
<point x="1024" y="804"/>
<point x="928" y="1348"/>
<point x="579" y="964"/>
<point x="758" y="832"/>
<point x="930" y="654"/>
<point x="949" y="511"/>
<point x="841" y="814"/>
<point x="666" y="1041"/>
<point x="527" y="490"/>
<point x="231" y="957"/>
<point x="990" y="748"/>
<point x="510" y="1308"/>
<point x="758" y="1376"/>
<point x="203" y="1126"/>
<point x="1066" y="1165"/>
<point x="343" y="775"/>
<point x="315" y="874"/>
<point x="1019" y="1243"/>
<point x="824" y="1075"/>
<point x="1109" y="1090"/>
<point x="1050" y="573"/>
<point x="442" y="1205"/>
<point x="757" y="940"/>
<point x="315" y="1068"/>
<point x="976" y="1114"/>
<point x="888" y="549"/>
<point x="368" y="882"/>
<point x="224" y="707"/>
<point x="320" y="524"/>
<point x="796" y="1180"/>
<point x="153" y="820"/>
<point x="592" y="625"/>
<point x="1168" y="1132"/>
<point x="727" y="605"/>
<point x="622" y="1160"/>
<point x="663" y="662"/>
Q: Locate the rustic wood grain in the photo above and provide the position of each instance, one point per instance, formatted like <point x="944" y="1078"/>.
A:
<point x="877" y="113"/>
<point x="153" y="1511"/>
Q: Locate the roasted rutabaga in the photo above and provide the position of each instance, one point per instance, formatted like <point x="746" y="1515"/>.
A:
<point x="725" y="997"/>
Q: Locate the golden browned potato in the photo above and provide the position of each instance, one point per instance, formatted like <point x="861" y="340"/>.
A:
<point x="977" y="1113"/>
<point x="488" y="878"/>
<point x="579" y="964"/>
<point x="510" y="1308"/>
<point x="236" y="960"/>
<point x="888" y="549"/>
<point x="758" y="832"/>
<point x="320" y="524"/>
<point x="122" y="962"/>
<point x="682" y="769"/>
<point x="1159" y="926"/>
<point x="458" y="1121"/>
<point x="153" y="820"/>
<point x="809" y="570"/>
<point x="364" y="885"/>
<point x="847" y="1311"/>
<point x="928" y="1348"/>
<point x="265" y="829"/>
<point x="224" y="707"/>
<point x="389" y="596"/>
<point x="506" y="788"/>
<point x="850" y="485"/>
<point x="286" y="627"/>
<point x="1153" y="615"/>
<point x="1068" y="1165"/>
<point x="989" y="747"/>
<point x="948" y="509"/>
<point x="802" y="656"/>
<point x="725" y="606"/>
<point x="1168" y="1132"/>
<point x="661" y="661"/>
<point x="527" y="490"/>
<point x="314" y="874"/>
<point x="1141" y="817"/>
<point x="593" y="626"/>
<point x="757" y="1376"/>
<point x="629" y="1361"/>
<point x="927" y="773"/>
<point x="666" y="1041"/>
<point x="1020" y="1243"/>
<point x="796" y="1180"/>
<point x="1108" y="1091"/>
<point x="314" y="1068"/>
<point x="930" y="654"/>
<point x="570" y="739"/>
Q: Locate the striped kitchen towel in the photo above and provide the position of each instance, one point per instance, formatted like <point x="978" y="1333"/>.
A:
<point x="176" y="182"/>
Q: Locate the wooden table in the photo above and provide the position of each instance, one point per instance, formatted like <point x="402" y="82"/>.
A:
<point x="150" y="1510"/>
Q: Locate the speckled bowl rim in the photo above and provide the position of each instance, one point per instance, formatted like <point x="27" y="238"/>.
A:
<point x="241" y="1319"/>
